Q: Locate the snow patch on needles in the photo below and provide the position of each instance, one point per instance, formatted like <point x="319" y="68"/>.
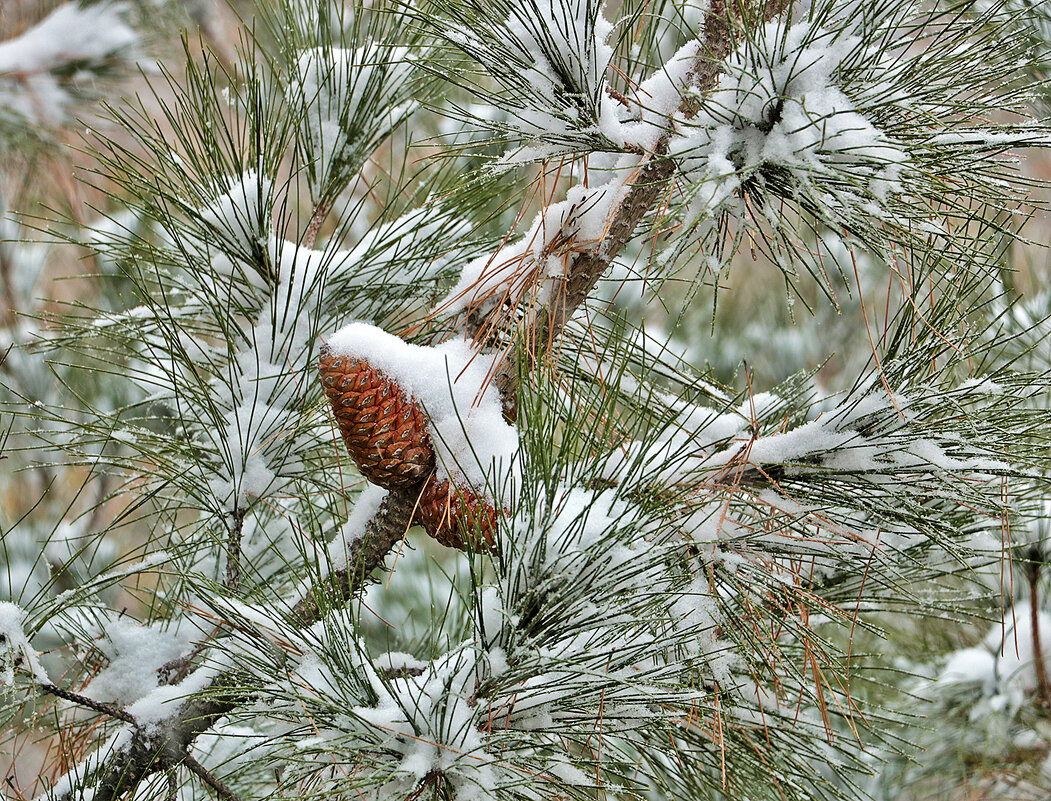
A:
<point x="778" y="107"/>
<point x="564" y="40"/>
<point x="429" y="718"/>
<point x="135" y="653"/>
<point x="525" y="272"/>
<point x="549" y="58"/>
<point x="657" y="99"/>
<point x="161" y="705"/>
<point x="15" y="648"/>
<point x="334" y="86"/>
<point x="239" y="213"/>
<point x="452" y="382"/>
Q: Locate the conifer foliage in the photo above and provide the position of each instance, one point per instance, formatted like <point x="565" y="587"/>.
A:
<point x="449" y="266"/>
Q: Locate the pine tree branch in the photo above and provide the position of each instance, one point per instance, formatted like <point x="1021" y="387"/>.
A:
<point x="654" y="177"/>
<point x="384" y="531"/>
<point x="165" y="747"/>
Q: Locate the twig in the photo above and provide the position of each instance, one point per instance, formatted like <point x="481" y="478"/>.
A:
<point x="1033" y="569"/>
<point x="233" y="550"/>
<point x="384" y="531"/>
<point x="316" y="218"/>
<point x="201" y="772"/>
<point x="82" y="700"/>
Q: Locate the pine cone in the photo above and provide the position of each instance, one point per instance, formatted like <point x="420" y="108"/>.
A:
<point x="384" y="430"/>
<point x="456" y="516"/>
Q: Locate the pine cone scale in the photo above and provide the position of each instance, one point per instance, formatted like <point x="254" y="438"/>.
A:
<point x="384" y="430"/>
<point x="456" y="517"/>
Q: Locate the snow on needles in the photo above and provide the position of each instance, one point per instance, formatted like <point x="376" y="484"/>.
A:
<point x="335" y="86"/>
<point x="525" y="272"/>
<point x="281" y="286"/>
<point x="15" y="648"/>
<point x="553" y="56"/>
<point x="451" y="381"/>
<point x="778" y="105"/>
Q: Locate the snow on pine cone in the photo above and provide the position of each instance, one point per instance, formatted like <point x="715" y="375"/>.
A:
<point x="457" y="517"/>
<point x="384" y="430"/>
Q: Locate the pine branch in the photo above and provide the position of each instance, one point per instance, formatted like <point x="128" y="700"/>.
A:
<point x="654" y="175"/>
<point x="165" y="747"/>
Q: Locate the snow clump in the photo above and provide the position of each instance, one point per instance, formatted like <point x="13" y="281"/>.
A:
<point x="778" y="106"/>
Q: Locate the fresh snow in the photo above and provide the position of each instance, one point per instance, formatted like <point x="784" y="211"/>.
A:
<point x="332" y="84"/>
<point x="562" y="37"/>
<point x="84" y="35"/>
<point x="15" y="648"/>
<point x="781" y="106"/>
<point x="135" y="653"/>
<point x="526" y="271"/>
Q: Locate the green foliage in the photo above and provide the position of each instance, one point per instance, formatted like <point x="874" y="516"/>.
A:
<point x="699" y="568"/>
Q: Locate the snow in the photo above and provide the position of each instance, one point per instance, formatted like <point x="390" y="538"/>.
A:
<point x="561" y="38"/>
<point x="527" y="271"/>
<point x="983" y="138"/>
<point x="969" y="665"/>
<point x="397" y="661"/>
<point x="163" y="703"/>
<point x="85" y="35"/>
<point x="135" y="653"/>
<point x="997" y="677"/>
<point x="657" y="99"/>
<point x="704" y="441"/>
<point x="15" y="648"/>
<point x="778" y="104"/>
<point x="333" y="85"/>
<point x="240" y="215"/>
<point x="429" y="720"/>
<point x="366" y="504"/>
<point x="1012" y="644"/>
<point x="111" y="577"/>
<point x="475" y="446"/>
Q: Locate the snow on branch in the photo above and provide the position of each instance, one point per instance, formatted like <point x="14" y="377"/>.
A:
<point x="350" y="99"/>
<point x="15" y="650"/>
<point x="779" y="107"/>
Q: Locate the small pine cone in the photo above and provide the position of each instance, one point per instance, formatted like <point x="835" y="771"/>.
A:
<point x="385" y="431"/>
<point x="457" y="517"/>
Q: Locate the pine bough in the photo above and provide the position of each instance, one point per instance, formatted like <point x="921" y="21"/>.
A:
<point x="679" y="568"/>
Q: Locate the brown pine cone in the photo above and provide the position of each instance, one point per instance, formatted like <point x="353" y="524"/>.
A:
<point x="456" y="516"/>
<point x="384" y="430"/>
